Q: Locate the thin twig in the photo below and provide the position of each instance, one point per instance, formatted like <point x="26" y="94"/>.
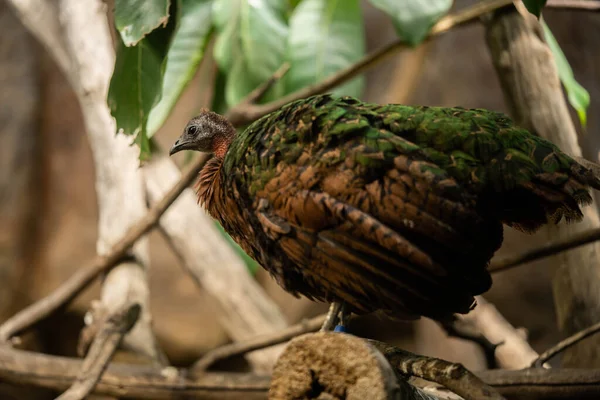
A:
<point x="101" y="351"/>
<point x="256" y="343"/>
<point x="41" y="309"/>
<point x="255" y="95"/>
<point x="589" y="5"/>
<point x="547" y="250"/>
<point x="453" y="376"/>
<point x="242" y="115"/>
<point x="565" y="344"/>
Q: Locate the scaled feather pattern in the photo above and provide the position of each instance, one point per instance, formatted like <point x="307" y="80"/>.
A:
<point x="387" y="207"/>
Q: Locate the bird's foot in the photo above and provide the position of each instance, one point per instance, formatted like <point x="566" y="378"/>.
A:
<point x="337" y="313"/>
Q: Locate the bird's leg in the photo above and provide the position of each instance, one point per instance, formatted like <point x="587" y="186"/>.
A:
<point x="344" y="315"/>
<point x="332" y="317"/>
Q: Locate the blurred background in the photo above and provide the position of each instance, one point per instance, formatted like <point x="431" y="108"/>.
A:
<point x="48" y="211"/>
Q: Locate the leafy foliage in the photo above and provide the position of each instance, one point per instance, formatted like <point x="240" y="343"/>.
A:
<point x="135" y="19"/>
<point x="535" y="6"/>
<point x="325" y="37"/>
<point x="413" y="18"/>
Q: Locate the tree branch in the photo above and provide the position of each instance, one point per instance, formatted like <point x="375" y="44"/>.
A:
<point x="585" y="5"/>
<point x="565" y="344"/>
<point x="130" y="381"/>
<point x="554" y="247"/>
<point x="511" y="349"/>
<point x="101" y="351"/>
<point x="256" y="343"/>
<point x="532" y="89"/>
<point x="453" y="376"/>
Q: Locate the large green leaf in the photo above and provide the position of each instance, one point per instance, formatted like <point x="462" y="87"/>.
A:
<point x="251" y="43"/>
<point x="134" y="19"/>
<point x="535" y="6"/>
<point x="413" y="18"/>
<point x="324" y="37"/>
<point x="578" y="97"/>
<point x="135" y="86"/>
<point x="183" y="57"/>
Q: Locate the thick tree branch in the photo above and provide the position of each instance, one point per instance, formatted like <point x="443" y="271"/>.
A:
<point x="454" y="377"/>
<point x="103" y="347"/>
<point x="147" y="382"/>
<point x="532" y="89"/>
<point x="511" y="349"/>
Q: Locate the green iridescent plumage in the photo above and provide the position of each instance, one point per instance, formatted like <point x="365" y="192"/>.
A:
<point x="387" y="207"/>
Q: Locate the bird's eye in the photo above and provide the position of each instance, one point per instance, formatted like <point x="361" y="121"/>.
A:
<point x="191" y="130"/>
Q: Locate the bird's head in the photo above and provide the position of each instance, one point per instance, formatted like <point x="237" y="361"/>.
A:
<point x="208" y="132"/>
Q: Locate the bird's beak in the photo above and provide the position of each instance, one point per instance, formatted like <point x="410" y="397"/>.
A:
<point x="180" y="145"/>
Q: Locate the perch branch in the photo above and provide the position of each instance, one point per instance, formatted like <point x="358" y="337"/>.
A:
<point x="255" y="95"/>
<point x="565" y="344"/>
<point x="260" y="342"/>
<point x="149" y="382"/>
<point x="550" y="249"/>
<point x="453" y="376"/>
<point x="101" y="351"/>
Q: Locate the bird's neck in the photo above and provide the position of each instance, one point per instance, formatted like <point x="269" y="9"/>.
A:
<point x="221" y="142"/>
<point x="209" y="186"/>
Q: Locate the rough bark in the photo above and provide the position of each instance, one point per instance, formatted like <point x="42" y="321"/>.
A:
<point x="245" y="310"/>
<point x="532" y="89"/>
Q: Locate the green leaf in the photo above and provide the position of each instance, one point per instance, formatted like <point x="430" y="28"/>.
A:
<point x="263" y="33"/>
<point x="324" y="37"/>
<point x="413" y="18"/>
<point x="135" y="86"/>
<point x="251" y="43"/>
<point x="134" y="19"/>
<point x="535" y="6"/>
<point x="183" y="57"/>
<point x="578" y="97"/>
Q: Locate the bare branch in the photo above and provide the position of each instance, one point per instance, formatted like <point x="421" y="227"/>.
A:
<point x="557" y="246"/>
<point x="255" y="95"/>
<point x="511" y="349"/>
<point x="565" y="344"/>
<point x="453" y="376"/>
<point x="101" y="351"/>
<point x="589" y="5"/>
<point x="256" y="343"/>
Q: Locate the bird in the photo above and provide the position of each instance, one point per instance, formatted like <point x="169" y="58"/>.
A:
<point x="381" y="207"/>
